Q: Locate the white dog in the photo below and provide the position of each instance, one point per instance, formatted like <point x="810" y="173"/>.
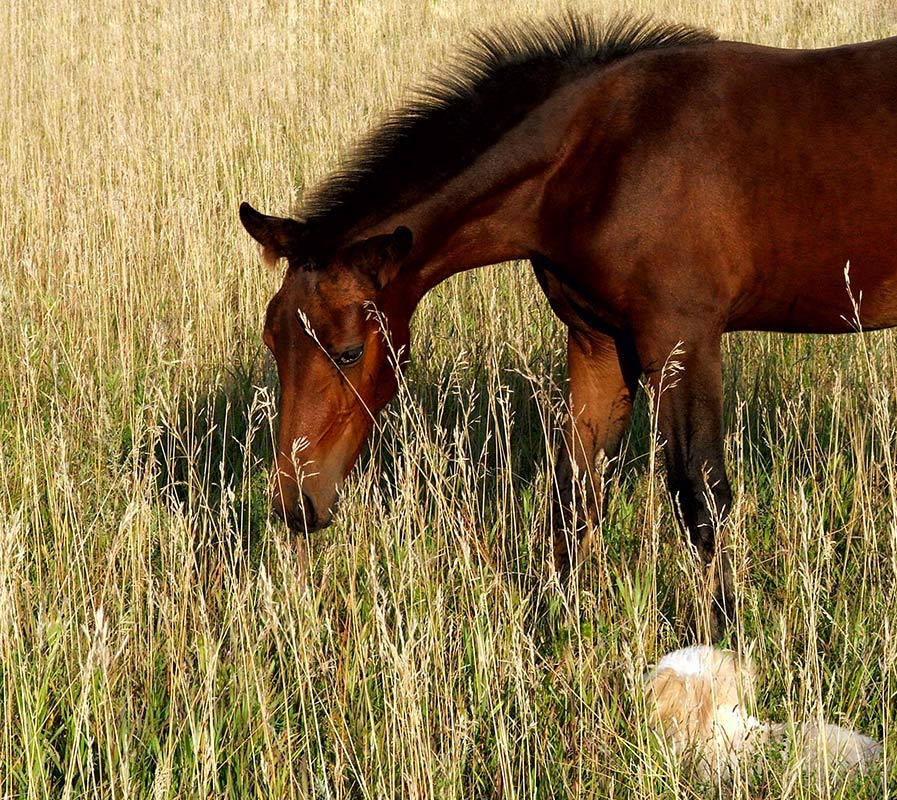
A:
<point x="700" y="700"/>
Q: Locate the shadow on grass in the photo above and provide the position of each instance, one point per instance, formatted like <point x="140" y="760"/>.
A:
<point x="211" y="457"/>
<point x="215" y="445"/>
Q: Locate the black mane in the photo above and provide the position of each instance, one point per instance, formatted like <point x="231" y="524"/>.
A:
<point x="498" y="79"/>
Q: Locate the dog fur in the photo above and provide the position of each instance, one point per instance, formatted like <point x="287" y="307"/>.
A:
<point x="699" y="701"/>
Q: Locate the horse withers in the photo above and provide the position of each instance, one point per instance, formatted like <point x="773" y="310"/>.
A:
<point x="667" y="187"/>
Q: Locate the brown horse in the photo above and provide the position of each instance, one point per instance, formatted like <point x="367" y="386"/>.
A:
<point x="667" y="187"/>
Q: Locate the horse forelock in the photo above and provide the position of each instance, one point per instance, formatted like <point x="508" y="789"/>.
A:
<point x="496" y="80"/>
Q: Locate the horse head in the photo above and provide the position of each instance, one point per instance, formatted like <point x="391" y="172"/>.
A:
<point x="338" y="334"/>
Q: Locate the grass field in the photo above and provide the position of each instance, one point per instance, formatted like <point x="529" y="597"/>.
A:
<point x="155" y="638"/>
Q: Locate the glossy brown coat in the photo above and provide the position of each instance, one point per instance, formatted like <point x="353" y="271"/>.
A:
<point x="669" y="192"/>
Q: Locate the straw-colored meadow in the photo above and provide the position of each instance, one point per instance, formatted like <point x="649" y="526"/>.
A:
<point x="156" y="639"/>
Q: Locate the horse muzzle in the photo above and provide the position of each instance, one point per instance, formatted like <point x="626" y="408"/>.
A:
<point x="299" y="512"/>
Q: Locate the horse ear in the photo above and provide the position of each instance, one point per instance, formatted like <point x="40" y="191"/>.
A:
<point x="280" y="237"/>
<point x="381" y="256"/>
<point x="399" y="244"/>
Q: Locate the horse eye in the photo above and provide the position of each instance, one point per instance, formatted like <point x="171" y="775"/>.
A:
<point x="350" y="356"/>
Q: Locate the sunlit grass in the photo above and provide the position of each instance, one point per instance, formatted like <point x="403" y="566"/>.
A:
<point x="156" y="637"/>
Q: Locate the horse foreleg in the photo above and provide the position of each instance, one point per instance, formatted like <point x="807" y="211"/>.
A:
<point x="687" y="389"/>
<point x="603" y="377"/>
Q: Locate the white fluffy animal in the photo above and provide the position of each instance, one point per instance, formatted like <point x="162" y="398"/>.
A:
<point x="700" y="700"/>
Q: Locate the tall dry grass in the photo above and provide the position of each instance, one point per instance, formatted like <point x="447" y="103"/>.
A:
<point x="154" y="639"/>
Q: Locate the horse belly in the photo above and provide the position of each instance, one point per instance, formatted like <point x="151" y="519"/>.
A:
<point x="839" y="296"/>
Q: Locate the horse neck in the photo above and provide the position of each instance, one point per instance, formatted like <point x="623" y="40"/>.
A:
<point x="489" y="212"/>
<point x="472" y="223"/>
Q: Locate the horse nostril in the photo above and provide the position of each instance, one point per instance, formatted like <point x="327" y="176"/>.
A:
<point x="298" y="511"/>
<point x="309" y="516"/>
<point x="285" y="505"/>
